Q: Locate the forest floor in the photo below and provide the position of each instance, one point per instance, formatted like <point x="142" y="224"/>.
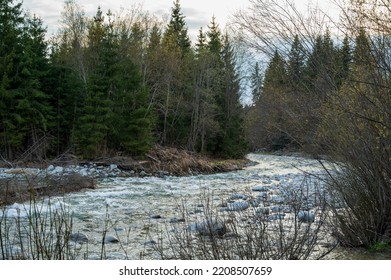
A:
<point x="160" y="161"/>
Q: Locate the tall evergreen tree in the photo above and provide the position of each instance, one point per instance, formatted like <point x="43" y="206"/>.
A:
<point x="343" y="62"/>
<point x="11" y="48"/>
<point x="66" y="90"/>
<point x="215" y="43"/>
<point x="201" y="41"/>
<point x="178" y="55"/>
<point x="176" y="35"/>
<point x="321" y="67"/>
<point x="275" y="75"/>
<point x="34" y="103"/>
<point x="296" y="67"/>
<point x="215" y="85"/>
<point x="273" y="105"/>
<point x="25" y="109"/>
<point x="233" y="144"/>
<point x="204" y="125"/>
<point x="256" y="83"/>
<point x="91" y="133"/>
<point x="133" y="122"/>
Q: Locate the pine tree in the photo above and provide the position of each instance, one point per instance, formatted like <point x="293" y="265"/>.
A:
<point x="362" y="55"/>
<point x="275" y="75"/>
<point x="321" y="70"/>
<point x="176" y="35"/>
<point x="215" y="40"/>
<point x="90" y="136"/>
<point x="201" y="41"/>
<point x="175" y="95"/>
<point x="132" y="123"/>
<point x="256" y="83"/>
<point x="65" y="87"/>
<point x="233" y="144"/>
<point x="11" y="46"/>
<point x="34" y="103"/>
<point x="344" y="59"/>
<point x="203" y="125"/>
<point x="273" y="105"/>
<point x="215" y="87"/>
<point x="25" y="109"/>
<point x="296" y="67"/>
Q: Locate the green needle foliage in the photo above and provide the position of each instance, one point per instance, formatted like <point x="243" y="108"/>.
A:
<point x="115" y="83"/>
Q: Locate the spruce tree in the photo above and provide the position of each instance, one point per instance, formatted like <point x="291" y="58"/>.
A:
<point x="256" y="83"/>
<point x="321" y="70"/>
<point x="233" y="144"/>
<point x="216" y="87"/>
<point x="65" y="88"/>
<point x="25" y="109"/>
<point x="11" y="48"/>
<point x="215" y="43"/>
<point x="296" y="67"/>
<point x="132" y="122"/>
<point x="90" y="136"/>
<point x="201" y="41"/>
<point x="176" y="35"/>
<point x="273" y="105"/>
<point x="177" y="54"/>
<point x="34" y="103"/>
<point x="275" y="75"/>
<point x="343" y="62"/>
<point x="204" y="124"/>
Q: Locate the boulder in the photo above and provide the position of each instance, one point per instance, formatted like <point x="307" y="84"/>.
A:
<point x="263" y="211"/>
<point x="156" y="216"/>
<point x="277" y="216"/>
<point x="78" y="237"/>
<point x="210" y="227"/>
<point x="111" y="239"/>
<point x="306" y="216"/>
<point x="236" y="196"/>
<point x="260" y="189"/>
<point x="238" y="206"/>
<point x="150" y="243"/>
<point x="177" y="220"/>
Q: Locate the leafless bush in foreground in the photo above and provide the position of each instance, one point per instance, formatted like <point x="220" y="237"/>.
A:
<point x="250" y="229"/>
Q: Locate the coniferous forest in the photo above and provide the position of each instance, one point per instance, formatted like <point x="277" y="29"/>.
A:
<point x="119" y="83"/>
<point x="115" y="84"/>
<point x="122" y="82"/>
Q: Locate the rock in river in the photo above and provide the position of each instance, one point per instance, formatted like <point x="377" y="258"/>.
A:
<point x="306" y="216"/>
<point x="78" y="237"/>
<point x="111" y="239"/>
<point x="238" y="206"/>
<point x="209" y="227"/>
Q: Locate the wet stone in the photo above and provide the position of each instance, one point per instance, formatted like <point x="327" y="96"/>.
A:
<point x="177" y="220"/>
<point x="238" y="206"/>
<point x="78" y="237"/>
<point x="260" y="189"/>
<point x="150" y="243"/>
<point x="306" y="216"/>
<point x="236" y="196"/>
<point x="111" y="239"/>
<point x="156" y="216"/>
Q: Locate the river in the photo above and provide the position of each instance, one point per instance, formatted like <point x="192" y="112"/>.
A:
<point x="134" y="210"/>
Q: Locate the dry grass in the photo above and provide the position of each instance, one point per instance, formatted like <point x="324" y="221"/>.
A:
<point x="182" y="162"/>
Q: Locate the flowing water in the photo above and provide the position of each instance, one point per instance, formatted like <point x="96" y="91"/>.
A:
<point x="129" y="209"/>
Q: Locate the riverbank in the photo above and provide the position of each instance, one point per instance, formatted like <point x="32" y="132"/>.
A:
<point x="23" y="181"/>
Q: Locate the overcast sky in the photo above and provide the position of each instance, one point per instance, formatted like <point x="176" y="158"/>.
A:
<point x="198" y="13"/>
